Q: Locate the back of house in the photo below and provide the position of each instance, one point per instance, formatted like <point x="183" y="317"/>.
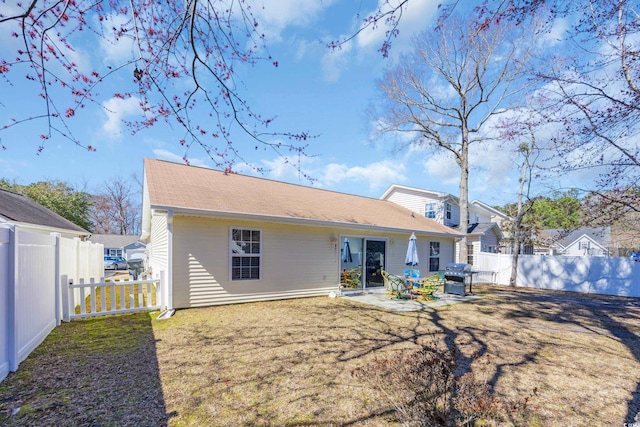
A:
<point x="225" y="238"/>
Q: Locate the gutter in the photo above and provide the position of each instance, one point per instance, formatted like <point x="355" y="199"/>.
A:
<point x="298" y="221"/>
<point x="38" y="227"/>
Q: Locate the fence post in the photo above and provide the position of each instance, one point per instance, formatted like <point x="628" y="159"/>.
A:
<point x="12" y="296"/>
<point x="56" y="269"/>
<point x="64" y="290"/>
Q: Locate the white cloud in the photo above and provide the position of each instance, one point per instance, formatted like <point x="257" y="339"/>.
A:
<point x="442" y="167"/>
<point x="333" y="176"/>
<point x="335" y="61"/>
<point x="173" y="157"/>
<point x="416" y="16"/>
<point x="115" y="51"/>
<point x="556" y="34"/>
<point x="377" y="175"/>
<point x="275" y="16"/>
<point x="117" y="110"/>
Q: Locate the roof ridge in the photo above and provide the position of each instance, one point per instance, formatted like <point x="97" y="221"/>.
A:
<point x="265" y="179"/>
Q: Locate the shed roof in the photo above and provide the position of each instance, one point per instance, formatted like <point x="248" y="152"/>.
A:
<point x="191" y="188"/>
<point x="15" y="207"/>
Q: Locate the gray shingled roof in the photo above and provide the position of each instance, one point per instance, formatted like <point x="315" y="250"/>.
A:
<point x="602" y="235"/>
<point x="482" y="228"/>
<point x="114" y="240"/>
<point x="15" y="207"/>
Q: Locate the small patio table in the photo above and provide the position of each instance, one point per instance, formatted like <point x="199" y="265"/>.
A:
<point x="410" y="281"/>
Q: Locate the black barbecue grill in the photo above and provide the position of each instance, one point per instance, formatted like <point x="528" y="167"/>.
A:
<point x="457" y="275"/>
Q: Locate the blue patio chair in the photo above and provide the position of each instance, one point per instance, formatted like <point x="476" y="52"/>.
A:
<point x="414" y="272"/>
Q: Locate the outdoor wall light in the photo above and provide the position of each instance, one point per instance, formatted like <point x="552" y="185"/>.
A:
<point x="333" y="238"/>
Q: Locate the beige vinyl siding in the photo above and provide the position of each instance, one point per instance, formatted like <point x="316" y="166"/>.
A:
<point x="447" y="253"/>
<point x="297" y="261"/>
<point x="157" y="247"/>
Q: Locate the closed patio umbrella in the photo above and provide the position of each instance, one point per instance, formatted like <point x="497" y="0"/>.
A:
<point x="346" y="258"/>
<point x="412" y="257"/>
<point x="412" y="253"/>
<point x="346" y="252"/>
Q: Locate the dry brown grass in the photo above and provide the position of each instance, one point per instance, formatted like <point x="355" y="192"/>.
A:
<point x="290" y="362"/>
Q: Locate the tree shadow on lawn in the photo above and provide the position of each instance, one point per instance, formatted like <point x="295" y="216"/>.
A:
<point x="528" y="331"/>
<point x="612" y="317"/>
<point x="290" y="362"/>
<point x="91" y="372"/>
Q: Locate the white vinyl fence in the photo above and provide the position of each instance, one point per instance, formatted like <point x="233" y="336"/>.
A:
<point x="113" y="297"/>
<point x="31" y="264"/>
<point x="597" y="275"/>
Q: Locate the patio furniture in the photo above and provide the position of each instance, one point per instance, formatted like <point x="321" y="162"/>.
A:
<point x="351" y="279"/>
<point x="429" y="285"/>
<point x="396" y="285"/>
<point x="411" y="272"/>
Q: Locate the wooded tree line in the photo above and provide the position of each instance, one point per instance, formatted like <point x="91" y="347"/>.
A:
<point x="569" y="211"/>
<point x="115" y="209"/>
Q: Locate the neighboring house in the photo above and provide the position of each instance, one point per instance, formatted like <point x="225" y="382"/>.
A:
<point x="483" y="223"/>
<point x="228" y="238"/>
<point x="119" y="245"/>
<point x="20" y="210"/>
<point x="494" y="215"/>
<point x="586" y="241"/>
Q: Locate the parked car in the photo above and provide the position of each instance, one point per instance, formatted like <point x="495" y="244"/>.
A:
<point x="115" y="263"/>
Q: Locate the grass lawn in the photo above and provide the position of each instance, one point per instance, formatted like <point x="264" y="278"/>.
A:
<point x="576" y="358"/>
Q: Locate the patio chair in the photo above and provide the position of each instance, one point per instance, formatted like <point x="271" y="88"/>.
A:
<point x="352" y="279"/>
<point x="413" y="272"/>
<point x="429" y="286"/>
<point x="395" y="285"/>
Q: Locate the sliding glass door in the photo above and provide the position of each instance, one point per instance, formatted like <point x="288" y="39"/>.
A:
<point x="362" y="260"/>
<point x="375" y="261"/>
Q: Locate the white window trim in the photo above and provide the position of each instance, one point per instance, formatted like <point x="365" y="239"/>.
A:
<point x="432" y="256"/>
<point x="231" y="254"/>
<point x="433" y="208"/>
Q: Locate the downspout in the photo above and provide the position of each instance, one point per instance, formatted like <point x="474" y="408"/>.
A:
<point x="170" y="259"/>
<point x="169" y="311"/>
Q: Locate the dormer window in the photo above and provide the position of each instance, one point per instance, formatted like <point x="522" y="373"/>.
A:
<point x="448" y="210"/>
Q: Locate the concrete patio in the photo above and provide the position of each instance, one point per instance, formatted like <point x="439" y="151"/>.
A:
<point x="379" y="298"/>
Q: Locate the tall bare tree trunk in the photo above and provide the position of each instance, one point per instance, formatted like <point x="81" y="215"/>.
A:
<point x="464" y="192"/>
<point x="517" y="229"/>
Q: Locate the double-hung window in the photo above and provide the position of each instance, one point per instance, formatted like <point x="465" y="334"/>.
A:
<point x="245" y="252"/>
<point x="448" y="208"/>
<point x="430" y="210"/>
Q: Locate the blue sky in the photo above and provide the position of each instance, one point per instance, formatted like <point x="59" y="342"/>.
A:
<point x="313" y="89"/>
